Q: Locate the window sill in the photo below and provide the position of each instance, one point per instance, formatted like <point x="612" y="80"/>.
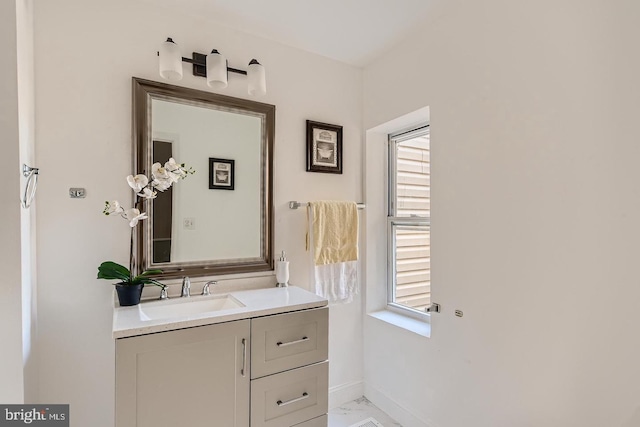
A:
<point x="410" y="324"/>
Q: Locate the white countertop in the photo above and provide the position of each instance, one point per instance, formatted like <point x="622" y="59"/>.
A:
<point x="131" y="321"/>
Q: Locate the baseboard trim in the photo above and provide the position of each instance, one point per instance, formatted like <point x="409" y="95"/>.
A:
<point x="394" y="409"/>
<point x="344" y="393"/>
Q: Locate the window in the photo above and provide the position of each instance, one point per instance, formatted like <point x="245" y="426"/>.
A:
<point x="408" y="222"/>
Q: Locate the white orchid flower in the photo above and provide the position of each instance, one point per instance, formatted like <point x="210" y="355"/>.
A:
<point x="175" y="170"/>
<point x="173" y="177"/>
<point x="112" y="207"/>
<point x="137" y="182"/>
<point x="159" y="172"/>
<point x="133" y="216"/>
<point x="161" y="177"/>
<point x="171" y="164"/>
<point x="147" y="193"/>
<point x="161" y="184"/>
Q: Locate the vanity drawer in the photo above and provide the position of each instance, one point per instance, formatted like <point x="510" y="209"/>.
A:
<point x="322" y="421"/>
<point x="291" y="397"/>
<point x="288" y="341"/>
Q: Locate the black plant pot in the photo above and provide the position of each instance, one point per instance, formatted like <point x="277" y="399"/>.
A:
<point x="129" y="294"/>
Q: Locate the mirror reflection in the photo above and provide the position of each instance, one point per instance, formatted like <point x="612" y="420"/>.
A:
<point x="219" y="220"/>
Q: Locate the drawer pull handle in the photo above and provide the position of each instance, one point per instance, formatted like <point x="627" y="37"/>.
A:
<point x="297" y="399"/>
<point x="244" y="357"/>
<point x="284" y="344"/>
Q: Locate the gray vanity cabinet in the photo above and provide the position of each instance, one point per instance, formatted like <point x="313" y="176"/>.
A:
<point x="196" y="377"/>
<point x="268" y="371"/>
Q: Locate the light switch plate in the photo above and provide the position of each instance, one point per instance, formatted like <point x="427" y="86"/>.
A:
<point x="77" y="193"/>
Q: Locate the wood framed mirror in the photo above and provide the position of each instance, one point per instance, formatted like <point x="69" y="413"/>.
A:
<point x="220" y="219"/>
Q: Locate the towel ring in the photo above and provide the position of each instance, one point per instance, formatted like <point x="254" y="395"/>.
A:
<point x="31" y="185"/>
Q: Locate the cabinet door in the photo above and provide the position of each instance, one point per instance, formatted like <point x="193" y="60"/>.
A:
<point x="197" y="377"/>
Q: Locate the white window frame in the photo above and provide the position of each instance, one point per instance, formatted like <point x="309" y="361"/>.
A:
<point x="393" y="221"/>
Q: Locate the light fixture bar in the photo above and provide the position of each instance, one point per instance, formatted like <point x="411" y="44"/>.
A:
<point x="214" y="67"/>
<point x="199" y="62"/>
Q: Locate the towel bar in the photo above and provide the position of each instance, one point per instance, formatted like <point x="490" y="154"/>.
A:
<point x="296" y="205"/>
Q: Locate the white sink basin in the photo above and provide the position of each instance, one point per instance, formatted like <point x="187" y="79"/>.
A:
<point x="187" y="307"/>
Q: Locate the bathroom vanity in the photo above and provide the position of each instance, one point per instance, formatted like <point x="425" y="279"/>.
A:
<point x="254" y="358"/>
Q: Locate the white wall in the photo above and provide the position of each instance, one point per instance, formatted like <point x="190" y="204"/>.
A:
<point x="535" y="195"/>
<point x="86" y="54"/>
<point x="26" y="123"/>
<point x="11" y="372"/>
<point x="17" y="305"/>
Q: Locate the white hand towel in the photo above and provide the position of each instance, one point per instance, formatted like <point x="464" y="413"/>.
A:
<point x="337" y="282"/>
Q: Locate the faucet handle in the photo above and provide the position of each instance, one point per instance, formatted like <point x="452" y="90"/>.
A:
<point x="186" y="287"/>
<point x="205" y="289"/>
<point x="163" y="293"/>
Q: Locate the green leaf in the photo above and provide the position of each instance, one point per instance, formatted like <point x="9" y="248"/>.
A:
<point x="148" y="272"/>
<point x="143" y="278"/>
<point x="146" y="280"/>
<point x="155" y="282"/>
<point x="110" y="270"/>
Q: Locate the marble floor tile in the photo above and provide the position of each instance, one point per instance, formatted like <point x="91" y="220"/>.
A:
<point x="357" y="410"/>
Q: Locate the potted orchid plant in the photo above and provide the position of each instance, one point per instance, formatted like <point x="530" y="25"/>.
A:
<point x="129" y="287"/>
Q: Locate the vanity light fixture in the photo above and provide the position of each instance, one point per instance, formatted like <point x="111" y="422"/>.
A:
<point x="170" y="60"/>
<point x="257" y="79"/>
<point x="217" y="74"/>
<point x="214" y="67"/>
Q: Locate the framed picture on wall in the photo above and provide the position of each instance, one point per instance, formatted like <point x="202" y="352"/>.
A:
<point x="221" y="174"/>
<point x="324" y="147"/>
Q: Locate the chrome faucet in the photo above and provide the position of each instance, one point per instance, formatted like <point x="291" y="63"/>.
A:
<point x="186" y="287"/>
<point x="205" y="289"/>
